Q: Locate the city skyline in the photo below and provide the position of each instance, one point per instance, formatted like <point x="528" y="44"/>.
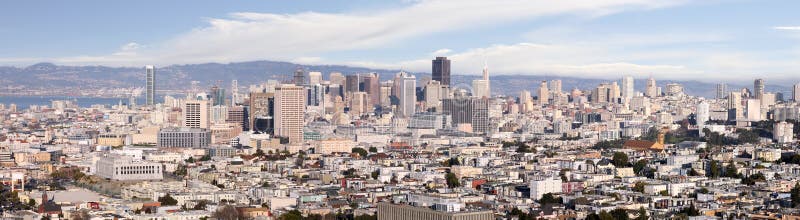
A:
<point x="536" y="38"/>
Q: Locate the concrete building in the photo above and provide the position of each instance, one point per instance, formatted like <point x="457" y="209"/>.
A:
<point x="468" y="110"/>
<point x="441" y="70"/>
<point x="407" y="94"/>
<point x="184" y="137"/>
<point x="627" y="87"/>
<point x="541" y="185"/>
<point x="290" y="112"/>
<point x="387" y="211"/>
<point x="150" y="86"/>
<point x="117" y="167"/>
<point x="196" y="114"/>
<point x="783" y="132"/>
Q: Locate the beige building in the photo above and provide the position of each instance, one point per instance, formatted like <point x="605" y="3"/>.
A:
<point x="334" y="146"/>
<point x="196" y="114"/>
<point x="290" y="107"/>
<point x="388" y="211"/>
<point x="111" y="139"/>
<point x="466" y="171"/>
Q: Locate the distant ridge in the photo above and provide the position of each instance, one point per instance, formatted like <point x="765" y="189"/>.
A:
<point x="42" y="75"/>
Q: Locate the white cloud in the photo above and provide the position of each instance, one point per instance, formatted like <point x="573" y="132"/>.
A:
<point x="252" y="36"/>
<point x="787" y="28"/>
<point x="441" y="52"/>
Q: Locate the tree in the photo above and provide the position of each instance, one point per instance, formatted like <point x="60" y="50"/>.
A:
<point x="620" y="214"/>
<point x="731" y="171"/>
<point x="167" y="200"/>
<point x="259" y="153"/>
<point x="523" y="148"/>
<point x="639" y="187"/>
<point x="190" y="160"/>
<point x="747" y="136"/>
<point x="548" y="198"/>
<point x="713" y="169"/>
<point x="639" y="166"/>
<point x="375" y="174"/>
<point x="205" y="158"/>
<point x="180" y="170"/>
<point x="373" y="150"/>
<point x="452" y="180"/>
<point x="360" y="151"/>
<point x="690" y="211"/>
<point x="605" y="215"/>
<point x="620" y="159"/>
<point x="795" y="195"/>
<point x="201" y="205"/>
<point x="226" y="212"/>
<point x="642" y="215"/>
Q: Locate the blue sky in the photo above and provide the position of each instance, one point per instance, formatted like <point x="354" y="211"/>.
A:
<point x="678" y="39"/>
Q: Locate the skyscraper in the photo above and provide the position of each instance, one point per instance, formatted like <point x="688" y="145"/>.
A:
<point x="796" y="92"/>
<point x="758" y="88"/>
<point x="234" y="92"/>
<point x="299" y="77"/>
<point x="372" y="86"/>
<point x="702" y="114"/>
<point x="150" y="93"/>
<point x="481" y="87"/>
<point x="651" y="90"/>
<point x="468" y="110"/>
<point x="543" y="93"/>
<point x="555" y="87"/>
<point x="721" y="88"/>
<point x="196" y="114"/>
<point x="407" y="94"/>
<point x="441" y="70"/>
<point x="289" y="112"/>
<point x="314" y="78"/>
<point x="627" y="87"/>
<point x="262" y="108"/>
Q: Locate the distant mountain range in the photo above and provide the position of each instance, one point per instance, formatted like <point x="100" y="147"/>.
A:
<point x="48" y="75"/>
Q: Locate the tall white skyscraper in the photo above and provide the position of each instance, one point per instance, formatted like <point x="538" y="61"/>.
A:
<point x="481" y="87"/>
<point x="627" y="87"/>
<point x="702" y="114"/>
<point x="314" y="78"/>
<point x="721" y="89"/>
<point x="150" y="87"/>
<point x="555" y="87"/>
<point x="407" y="94"/>
<point x="196" y="113"/>
<point x="290" y="105"/>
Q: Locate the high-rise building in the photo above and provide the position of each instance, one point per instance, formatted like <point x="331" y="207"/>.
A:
<point x="299" y="76"/>
<point x="674" y="89"/>
<point x="702" y="114"/>
<point x="555" y="87"/>
<point x="434" y="93"/>
<point x="441" y="70"/>
<point x="796" y="92"/>
<point x="721" y="89"/>
<point x="372" y="86"/>
<point x="468" y="110"/>
<point x="314" y="78"/>
<point x="217" y="96"/>
<point x="352" y="83"/>
<point x="150" y="90"/>
<point x="262" y="112"/>
<point x="196" y="113"/>
<point x="289" y="112"/>
<point x="234" y="92"/>
<point x="482" y="87"/>
<point x="651" y="89"/>
<point x="359" y="104"/>
<point x="735" y="110"/>
<point x="336" y="78"/>
<point x="544" y="93"/>
<point x="627" y="87"/>
<point x="238" y="115"/>
<point x="758" y="88"/>
<point x="407" y="95"/>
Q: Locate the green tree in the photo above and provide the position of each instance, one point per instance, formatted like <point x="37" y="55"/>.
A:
<point x="639" y="166"/>
<point x="360" y="151"/>
<point x="373" y="150"/>
<point x="639" y="187"/>
<point x="167" y="200"/>
<point x="713" y="169"/>
<point x="548" y="198"/>
<point x="642" y="214"/>
<point x="190" y="160"/>
<point x="795" y="195"/>
<point x="605" y="215"/>
<point x="375" y="174"/>
<point x="731" y="171"/>
<point x="620" y="214"/>
<point x="226" y="212"/>
<point x="452" y="180"/>
<point x="205" y="158"/>
<point x="620" y="159"/>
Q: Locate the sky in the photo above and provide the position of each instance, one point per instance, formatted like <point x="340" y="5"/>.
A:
<point x="706" y="40"/>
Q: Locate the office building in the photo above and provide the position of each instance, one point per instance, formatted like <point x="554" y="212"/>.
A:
<point x="299" y="77"/>
<point x="387" y="211"/>
<point x="758" y="88"/>
<point x="468" y="111"/>
<point x="314" y="78"/>
<point x="116" y="167"/>
<point x="541" y="185"/>
<point x="238" y="115"/>
<point x="441" y="70"/>
<point x="674" y="89"/>
<point x="372" y="86"/>
<point x="290" y="112"/>
<point x="262" y="108"/>
<point x="543" y="93"/>
<point x="183" y="137"/>
<point x="196" y="114"/>
<point x="796" y="92"/>
<point x="651" y="89"/>
<point x="407" y="95"/>
<point x="627" y="87"/>
<point x="722" y="88"/>
<point x="702" y="114"/>
<point x="150" y="87"/>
